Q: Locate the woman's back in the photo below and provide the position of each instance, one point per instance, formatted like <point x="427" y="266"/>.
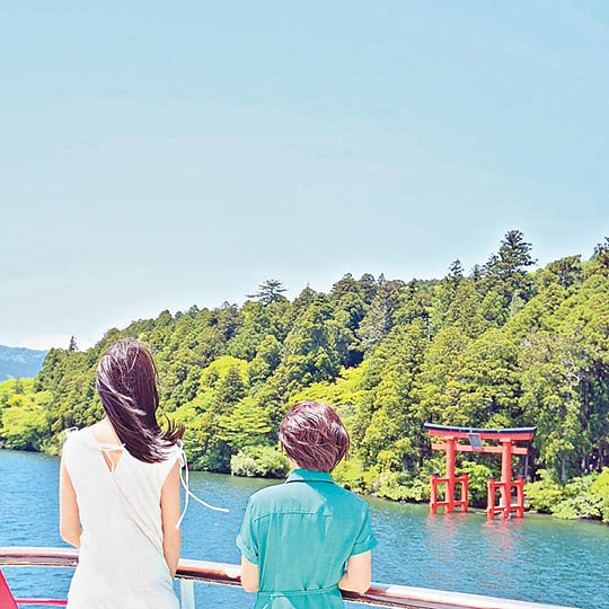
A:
<point x="301" y="534"/>
<point x="308" y="539"/>
<point x="121" y="560"/>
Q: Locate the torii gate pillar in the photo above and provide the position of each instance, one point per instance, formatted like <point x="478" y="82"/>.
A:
<point x="450" y="501"/>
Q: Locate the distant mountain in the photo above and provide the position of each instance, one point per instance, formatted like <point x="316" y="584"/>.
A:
<point x="19" y="362"/>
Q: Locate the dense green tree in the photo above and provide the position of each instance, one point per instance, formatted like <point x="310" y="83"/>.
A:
<point x="311" y="349"/>
<point x="247" y="424"/>
<point x="600" y="259"/>
<point x="489" y="385"/>
<point x="455" y="274"/>
<point x="438" y="385"/>
<point x="464" y="310"/>
<point x="266" y="361"/>
<point x="565" y="272"/>
<point x="348" y="296"/>
<point x="369" y="287"/>
<point x="506" y="271"/>
<point x="379" y="319"/>
<point x="386" y="415"/>
<point x="550" y="397"/>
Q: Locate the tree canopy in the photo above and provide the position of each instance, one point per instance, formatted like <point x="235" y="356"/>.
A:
<point x="502" y="345"/>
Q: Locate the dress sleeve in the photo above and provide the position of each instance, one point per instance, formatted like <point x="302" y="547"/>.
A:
<point x="365" y="539"/>
<point x="166" y="466"/>
<point x="247" y="539"/>
<point x="67" y="450"/>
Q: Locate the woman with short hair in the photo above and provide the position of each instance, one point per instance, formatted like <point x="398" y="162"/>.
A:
<point x="305" y="540"/>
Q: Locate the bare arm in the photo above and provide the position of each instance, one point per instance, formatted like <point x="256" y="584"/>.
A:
<point x="69" y="517"/>
<point x="170" y="514"/>
<point x="358" y="576"/>
<point x="249" y="575"/>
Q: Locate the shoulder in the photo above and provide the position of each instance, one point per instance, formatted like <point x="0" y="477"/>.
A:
<point x="76" y="444"/>
<point x="261" y="501"/>
<point x="351" y="501"/>
<point x="293" y="496"/>
<point x="354" y="499"/>
<point x="267" y="493"/>
<point x="173" y="453"/>
<point x="362" y="504"/>
<point x="73" y="435"/>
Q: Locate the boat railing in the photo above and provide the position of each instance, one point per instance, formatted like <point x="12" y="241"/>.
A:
<point x="190" y="571"/>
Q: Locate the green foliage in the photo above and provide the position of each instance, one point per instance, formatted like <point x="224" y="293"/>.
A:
<point x="478" y="477"/>
<point x="259" y="461"/>
<point x="579" y="501"/>
<point x="581" y="497"/>
<point x="269" y="292"/>
<point x="24" y="423"/>
<point x="600" y="488"/>
<point x="502" y="347"/>
<point x="244" y="425"/>
<point x="352" y="474"/>
<point x="544" y="494"/>
<point x="505" y="272"/>
<point x="380" y="316"/>
<point x="399" y="486"/>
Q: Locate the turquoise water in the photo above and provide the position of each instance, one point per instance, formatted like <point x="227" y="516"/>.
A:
<point x="536" y="559"/>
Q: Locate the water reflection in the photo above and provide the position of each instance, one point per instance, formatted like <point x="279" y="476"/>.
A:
<point x="443" y="543"/>
<point x="537" y="559"/>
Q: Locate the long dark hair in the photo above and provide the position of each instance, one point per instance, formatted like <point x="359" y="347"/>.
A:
<point x="127" y="381"/>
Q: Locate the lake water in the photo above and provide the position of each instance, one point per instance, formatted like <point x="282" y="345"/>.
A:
<point x="536" y="559"/>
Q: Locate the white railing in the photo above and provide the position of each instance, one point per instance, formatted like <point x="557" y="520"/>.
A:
<point x="189" y="571"/>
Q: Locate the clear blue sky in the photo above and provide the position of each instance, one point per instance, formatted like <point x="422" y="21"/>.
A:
<point x="159" y="154"/>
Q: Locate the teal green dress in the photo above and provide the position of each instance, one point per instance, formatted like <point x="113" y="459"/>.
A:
<point x="301" y="534"/>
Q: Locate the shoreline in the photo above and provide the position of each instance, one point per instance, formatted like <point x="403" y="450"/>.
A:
<point x="477" y="511"/>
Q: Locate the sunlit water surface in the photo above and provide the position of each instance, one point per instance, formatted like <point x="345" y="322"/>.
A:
<point x="536" y="559"/>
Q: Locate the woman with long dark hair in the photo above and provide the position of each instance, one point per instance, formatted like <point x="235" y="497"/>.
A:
<point x="120" y="491"/>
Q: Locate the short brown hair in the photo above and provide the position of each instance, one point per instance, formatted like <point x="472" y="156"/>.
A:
<point x="313" y="435"/>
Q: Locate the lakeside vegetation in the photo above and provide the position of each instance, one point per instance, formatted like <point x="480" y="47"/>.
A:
<point x="500" y="346"/>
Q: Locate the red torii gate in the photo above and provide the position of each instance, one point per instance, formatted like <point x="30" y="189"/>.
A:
<point x="506" y="439"/>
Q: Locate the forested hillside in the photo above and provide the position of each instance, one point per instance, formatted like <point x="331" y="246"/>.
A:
<point x="502" y="345"/>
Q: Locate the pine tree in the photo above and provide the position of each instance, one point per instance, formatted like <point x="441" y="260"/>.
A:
<point x="268" y="292"/>
<point x="600" y="259"/>
<point x="369" y="287"/>
<point x="455" y="274"/>
<point x="506" y="271"/>
<point x="380" y="316"/>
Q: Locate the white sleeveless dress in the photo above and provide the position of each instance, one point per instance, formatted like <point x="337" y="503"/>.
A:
<point x="121" y="562"/>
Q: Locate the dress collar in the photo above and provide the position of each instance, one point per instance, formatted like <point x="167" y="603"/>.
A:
<point x="309" y="475"/>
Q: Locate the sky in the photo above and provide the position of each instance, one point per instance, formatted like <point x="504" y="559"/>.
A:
<point x="156" y="155"/>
